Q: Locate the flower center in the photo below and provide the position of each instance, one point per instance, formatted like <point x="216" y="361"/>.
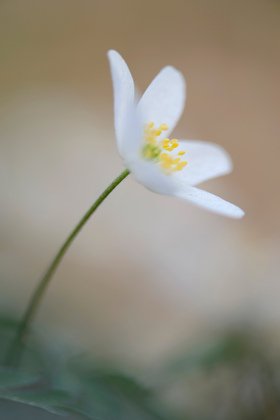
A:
<point x="162" y="151"/>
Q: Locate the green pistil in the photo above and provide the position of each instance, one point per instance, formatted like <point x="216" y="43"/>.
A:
<point x="151" y="151"/>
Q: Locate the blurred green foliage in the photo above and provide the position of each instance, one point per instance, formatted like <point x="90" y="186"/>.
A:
<point x="230" y="377"/>
<point x="73" y="387"/>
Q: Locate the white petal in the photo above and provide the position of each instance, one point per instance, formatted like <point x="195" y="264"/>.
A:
<point x="205" y="161"/>
<point x="164" y="100"/>
<point x="149" y="175"/>
<point x="123" y="87"/>
<point x="210" y="202"/>
<point x="132" y="134"/>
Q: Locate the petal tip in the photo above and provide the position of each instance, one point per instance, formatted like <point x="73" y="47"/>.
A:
<point x="112" y="53"/>
<point x="172" y="70"/>
<point x="233" y="212"/>
<point x="116" y="60"/>
<point x="210" y="202"/>
<point x="239" y="214"/>
<point x="114" y="56"/>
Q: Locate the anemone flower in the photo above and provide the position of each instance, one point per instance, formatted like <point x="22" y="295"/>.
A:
<point x="160" y="163"/>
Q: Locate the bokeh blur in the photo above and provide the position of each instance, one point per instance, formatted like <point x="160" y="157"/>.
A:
<point x="149" y="274"/>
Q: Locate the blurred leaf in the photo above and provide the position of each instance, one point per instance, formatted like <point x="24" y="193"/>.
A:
<point x="50" y="400"/>
<point x="11" y="378"/>
<point x="125" y="397"/>
<point x="78" y="411"/>
<point x="81" y="388"/>
<point x="124" y="385"/>
<point x="37" y="358"/>
<point x="226" y="350"/>
<point x="99" y="400"/>
<point x="135" y="398"/>
<point x="107" y="394"/>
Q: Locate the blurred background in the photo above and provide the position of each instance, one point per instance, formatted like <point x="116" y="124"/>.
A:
<point x="149" y="275"/>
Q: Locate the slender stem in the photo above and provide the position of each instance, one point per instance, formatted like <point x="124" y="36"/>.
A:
<point x="16" y="348"/>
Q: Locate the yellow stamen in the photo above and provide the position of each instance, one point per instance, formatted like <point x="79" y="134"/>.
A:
<point x="158" y="151"/>
<point x="180" y="166"/>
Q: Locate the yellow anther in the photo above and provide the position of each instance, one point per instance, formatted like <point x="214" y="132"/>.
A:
<point x="181" y="165"/>
<point x="166" y="165"/>
<point x="156" y="150"/>
<point x="164" y="157"/>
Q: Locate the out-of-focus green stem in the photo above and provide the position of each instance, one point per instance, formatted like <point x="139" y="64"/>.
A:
<point x="16" y="348"/>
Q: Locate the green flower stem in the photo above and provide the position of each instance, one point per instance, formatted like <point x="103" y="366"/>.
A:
<point x="17" y="346"/>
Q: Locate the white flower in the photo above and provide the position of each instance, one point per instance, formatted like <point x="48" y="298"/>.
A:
<point x="163" y="165"/>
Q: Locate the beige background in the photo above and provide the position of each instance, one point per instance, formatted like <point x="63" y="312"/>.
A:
<point x="148" y="272"/>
